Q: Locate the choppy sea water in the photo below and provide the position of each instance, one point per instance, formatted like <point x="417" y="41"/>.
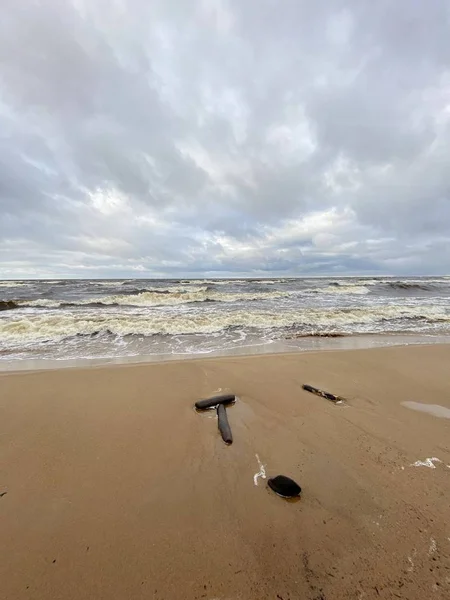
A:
<point x="75" y="319"/>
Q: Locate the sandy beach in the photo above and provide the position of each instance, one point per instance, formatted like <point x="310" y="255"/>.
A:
<point x="114" y="488"/>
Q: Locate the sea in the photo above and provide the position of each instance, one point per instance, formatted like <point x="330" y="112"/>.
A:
<point x="64" y="322"/>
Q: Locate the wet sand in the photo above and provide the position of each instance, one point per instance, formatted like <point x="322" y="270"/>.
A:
<point x="117" y="489"/>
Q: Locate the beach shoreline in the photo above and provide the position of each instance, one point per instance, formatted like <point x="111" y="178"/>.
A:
<point x="305" y="344"/>
<point x="114" y="487"/>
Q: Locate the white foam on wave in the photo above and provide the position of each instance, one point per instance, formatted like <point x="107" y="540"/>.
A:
<point x="18" y="326"/>
<point x="212" y="281"/>
<point x="105" y="283"/>
<point x="42" y="303"/>
<point x="14" y="284"/>
<point x="160" y="297"/>
<point x="249" y="281"/>
<point x="346" y="289"/>
<point x="175" y="289"/>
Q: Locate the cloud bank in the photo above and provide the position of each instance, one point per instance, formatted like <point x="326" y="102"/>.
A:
<point x="181" y="138"/>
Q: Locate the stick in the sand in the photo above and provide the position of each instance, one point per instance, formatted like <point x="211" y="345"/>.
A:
<point x="224" y="426"/>
<point x="214" y="401"/>
<point x="327" y="395"/>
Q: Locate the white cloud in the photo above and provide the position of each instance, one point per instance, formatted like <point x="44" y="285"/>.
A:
<point x="173" y="138"/>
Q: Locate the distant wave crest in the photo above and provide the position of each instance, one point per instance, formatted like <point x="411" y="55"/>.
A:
<point x="408" y="285"/>
<point x="346" y="289"/>
<point x="156" y="297"/>
<point x="14" y="284"/>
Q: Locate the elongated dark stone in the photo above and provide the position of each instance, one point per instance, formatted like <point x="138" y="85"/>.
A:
<point x="284" y="486"/>
<point x="327" y="395"/>
<point x="224" y="426"/>
<point x="214" y="401"/>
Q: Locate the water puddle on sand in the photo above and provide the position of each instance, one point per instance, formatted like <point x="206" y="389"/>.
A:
<point x="432" y="409"/>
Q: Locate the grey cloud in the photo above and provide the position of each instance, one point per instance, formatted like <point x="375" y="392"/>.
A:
<point x="171" y="137"/>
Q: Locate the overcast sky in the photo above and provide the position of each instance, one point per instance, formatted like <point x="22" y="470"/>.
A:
<point x="185" y="138"/>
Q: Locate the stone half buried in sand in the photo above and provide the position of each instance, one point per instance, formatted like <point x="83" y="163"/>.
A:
<point x="215" y="401"/>
<point x="284" y="486"/>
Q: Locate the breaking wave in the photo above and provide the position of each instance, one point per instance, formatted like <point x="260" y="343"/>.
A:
<point x="157" y="297"/>
<point x="345" y="289"/>
<point x="59" y="325"/>
<point x="105" y="283"/>
<point x="263" y="280"/>
<point x="14" y="284"/>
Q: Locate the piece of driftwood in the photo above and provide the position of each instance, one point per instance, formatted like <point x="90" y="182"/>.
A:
<point x="327" y="395"/>
<point x="223" y="424"/>
<point x="215" y="401"/>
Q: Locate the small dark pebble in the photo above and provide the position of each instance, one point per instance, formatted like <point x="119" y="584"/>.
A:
<point x="54" y="560"/>
<point x="284" y="486"/>
<point x="3" y="494"/>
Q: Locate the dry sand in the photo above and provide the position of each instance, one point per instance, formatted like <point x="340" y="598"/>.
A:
<point x="118" y="489"/>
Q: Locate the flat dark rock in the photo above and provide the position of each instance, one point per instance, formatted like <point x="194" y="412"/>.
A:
<point x="284" y="486"/>
<point x="215" y="401"/>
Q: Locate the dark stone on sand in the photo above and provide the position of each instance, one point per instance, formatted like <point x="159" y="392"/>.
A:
<point x="223" y="424"/>
<point x="284" y="486"/>
<point x="215" y="401"/>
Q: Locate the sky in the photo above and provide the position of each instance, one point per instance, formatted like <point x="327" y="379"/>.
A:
<point x="190" y="138"/>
